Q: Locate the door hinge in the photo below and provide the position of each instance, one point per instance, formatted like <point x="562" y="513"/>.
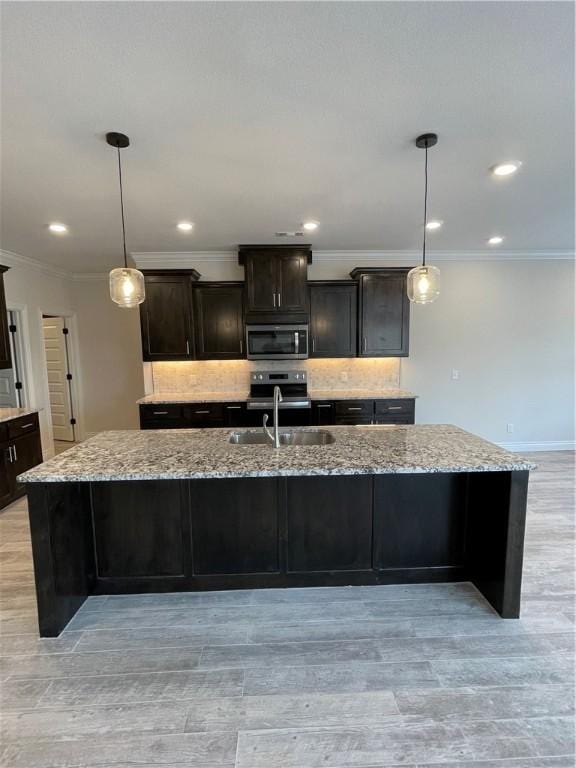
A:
<point x="18" y="385"/>
<point x="72" y="421"/>
<point x="69" y="376"/>
<point x="65" y="331"/>
<point x="12" y="328"/>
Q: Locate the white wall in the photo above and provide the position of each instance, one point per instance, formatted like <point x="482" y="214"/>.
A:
<point x="111" y="358"/>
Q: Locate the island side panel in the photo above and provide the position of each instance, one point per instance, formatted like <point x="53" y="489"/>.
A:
<point x="62" y="549"/>
<point x="495" y="537"/>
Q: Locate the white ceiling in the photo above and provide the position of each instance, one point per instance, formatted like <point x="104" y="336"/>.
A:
<point x="248" y="118"/>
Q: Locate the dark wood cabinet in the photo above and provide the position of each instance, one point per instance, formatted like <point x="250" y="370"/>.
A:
<point x="329" y="524"/>
<point x="322" y="413"/>
<point x="276" y="282"/>
<point x="235" y="526"/>
<point x="166" y="316"/>
<point x="384" y="312"/>
<point x="333" y="318"/>
<point x="218" y="321"/>
<point x="5" y="356"/>
<point x="20" y="450"/>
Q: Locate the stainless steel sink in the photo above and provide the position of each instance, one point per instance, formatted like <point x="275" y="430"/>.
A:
<point x="287" y="437"/>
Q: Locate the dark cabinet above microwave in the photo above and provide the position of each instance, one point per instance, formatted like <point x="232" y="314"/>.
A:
<point x="384" y="311"/>
<point x="276" y="279"/>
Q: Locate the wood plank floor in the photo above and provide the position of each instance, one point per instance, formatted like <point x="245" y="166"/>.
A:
<point x="364" y="677"/>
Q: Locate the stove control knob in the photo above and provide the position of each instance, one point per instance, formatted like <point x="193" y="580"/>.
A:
<point x="260" y="376"/>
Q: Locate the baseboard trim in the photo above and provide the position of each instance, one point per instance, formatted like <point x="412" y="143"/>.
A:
<point x="557" y="445"/>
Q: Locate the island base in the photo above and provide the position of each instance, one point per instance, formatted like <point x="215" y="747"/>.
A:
<point x="122" y="537"/>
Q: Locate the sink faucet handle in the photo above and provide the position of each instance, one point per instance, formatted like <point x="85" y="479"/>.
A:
<point x="267" y="432"/>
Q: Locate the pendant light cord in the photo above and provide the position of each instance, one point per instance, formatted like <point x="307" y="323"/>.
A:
<point x="122" y="209"/>
<point x="425" y="205"/>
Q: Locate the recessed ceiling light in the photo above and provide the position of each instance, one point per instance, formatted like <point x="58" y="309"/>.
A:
<point x="310" y="226"/>
<point x="496" y="240"/>
<point x="57" y="228"/>
<point x="434" y="224"/>
<point x="185" y="226"/>
<point x="505" y="169"/>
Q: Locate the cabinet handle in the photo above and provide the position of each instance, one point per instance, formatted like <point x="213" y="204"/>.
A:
<point x="9" y="451"/>
<point x="313" y="344"/>
<point x="274" y="298"/>
<point x="355" y="409"/>
<point x="201" y="411"/>
<point x="241" y="347"/>
<point x="364" y="345"/>
<point x="233" y="407"/>
<point x="15" y="454"/>
<point x="159" y="413"/>
<point x="27" y="426"/>
<point x="187" y="347"/>
<point x="394" y="407"/>
<point x="320" y="405"/>
<point x="279" y="302"/>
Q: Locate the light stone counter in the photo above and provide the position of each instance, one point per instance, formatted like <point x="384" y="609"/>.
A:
<point x="165" y="398"/>
<point x="206" y="453"/>
<point x="7" y="414"/>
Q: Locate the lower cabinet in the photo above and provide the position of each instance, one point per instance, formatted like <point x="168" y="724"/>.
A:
<point x="265" y="532"/>
<point x="322" y="413"/>
<point x="20" y="450"/>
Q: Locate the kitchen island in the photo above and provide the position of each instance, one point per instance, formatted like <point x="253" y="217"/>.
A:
<point x="186" y="510"/>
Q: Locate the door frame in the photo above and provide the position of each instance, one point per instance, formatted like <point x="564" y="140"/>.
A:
<point x="74" y="366"/>
<point x="29" y="395"/>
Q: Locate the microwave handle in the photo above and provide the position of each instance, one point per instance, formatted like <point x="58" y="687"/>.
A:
<point x="296" y="342"/>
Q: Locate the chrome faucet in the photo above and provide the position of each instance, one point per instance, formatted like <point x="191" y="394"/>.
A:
<point x="275" y="436"/>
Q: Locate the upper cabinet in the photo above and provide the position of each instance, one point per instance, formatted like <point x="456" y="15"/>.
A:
<point x="276" y="282"/>
<point x="333" y="311"/>
<point x="166" y="316"/>
<point x="384" y="315"/>
<point x="218" y="321"/>
<point x="5" y="357"/>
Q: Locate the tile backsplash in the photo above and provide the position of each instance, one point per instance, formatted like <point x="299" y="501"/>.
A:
<point x="234" y="375"/>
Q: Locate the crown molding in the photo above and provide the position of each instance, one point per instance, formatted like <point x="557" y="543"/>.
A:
<point x="187" y="259"/>
<point x="84" y="277"/>
<point x="11" y="259"/>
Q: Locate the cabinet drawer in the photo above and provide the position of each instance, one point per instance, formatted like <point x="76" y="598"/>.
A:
<point x="406" y="419"/>
<point x="354" y="407"/>
<point x="394" y="407"/>
<point x="160" y="412"/>
<point x="209" y="414"/>
<point x="23" y="425"/>
<point x="353" y="420"/>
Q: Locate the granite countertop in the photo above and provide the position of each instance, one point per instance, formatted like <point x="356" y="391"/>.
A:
<point x="165" y="398"/>
<point x="205" y="453"/>
<point x="7" y="414"/>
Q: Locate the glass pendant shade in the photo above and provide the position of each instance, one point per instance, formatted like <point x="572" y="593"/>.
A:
<point x="423" y="284"/>
<point x="127" y="287"/>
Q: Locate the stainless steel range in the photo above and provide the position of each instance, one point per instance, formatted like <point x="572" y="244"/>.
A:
<point x="293" y="386"/>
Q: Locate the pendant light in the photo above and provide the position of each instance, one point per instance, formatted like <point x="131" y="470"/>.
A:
<point x="424" y="281"/>
<point x="126" y="284"/>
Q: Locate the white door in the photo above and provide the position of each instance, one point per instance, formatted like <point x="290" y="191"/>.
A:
<point x="57" y="366"/>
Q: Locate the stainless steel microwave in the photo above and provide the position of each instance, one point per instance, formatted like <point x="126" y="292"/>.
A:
<point x="277" y="342"/>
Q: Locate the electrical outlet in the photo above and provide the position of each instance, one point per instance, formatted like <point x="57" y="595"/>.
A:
<point x="344" y="376"/>
<point x="455" y="374"/>
<point x="509" y="427"/>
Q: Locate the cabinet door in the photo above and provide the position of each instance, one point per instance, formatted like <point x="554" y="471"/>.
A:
<point x="5" y="357"/>
<point x="385" y="313"/>
<point x="218" y="321"/>
<point x="234" y="414"/>
<point x="235" y="526"/>
<point x="329" y="524"/>
<point x="27" y="453"/>
<point x="165" y="318"/>
<point x="261" y="282"/>
<point x="333" y="310"/>
<point x="291" y="282"/>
